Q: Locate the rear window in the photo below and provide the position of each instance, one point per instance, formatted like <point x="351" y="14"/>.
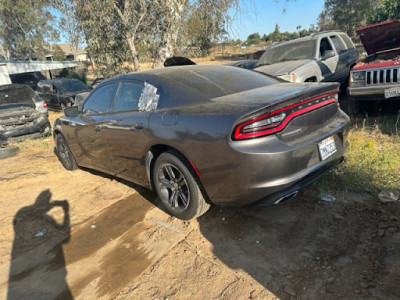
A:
<point x="201" y="84"/>
<point x="17" y="95"/>
<point x="73" y="86"/>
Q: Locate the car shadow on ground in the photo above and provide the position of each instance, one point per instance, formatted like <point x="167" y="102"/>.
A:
<point x="37" y="268"/>
<point x="307" y="248"/>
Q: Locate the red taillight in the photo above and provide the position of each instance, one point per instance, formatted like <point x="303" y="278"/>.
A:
<point x="44" y="104"/>
<point x="278" y="119"/>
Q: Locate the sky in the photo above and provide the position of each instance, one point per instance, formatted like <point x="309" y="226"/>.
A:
<point x="261" y="16"/>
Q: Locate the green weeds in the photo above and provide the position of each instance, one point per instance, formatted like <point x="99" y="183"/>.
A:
<point x="373" y="159"/>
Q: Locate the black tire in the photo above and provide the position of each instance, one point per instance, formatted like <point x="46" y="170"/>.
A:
<point x="8" y="151"/>
<point x="174" y="181"/>
<point x="64" y="154"/>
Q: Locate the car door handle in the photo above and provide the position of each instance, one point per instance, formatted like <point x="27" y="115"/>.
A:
<point x="97" y="128"/>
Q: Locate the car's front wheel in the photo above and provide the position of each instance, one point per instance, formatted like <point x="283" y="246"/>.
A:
<point x="176" y="186"/>
<point x="64" y="154"/>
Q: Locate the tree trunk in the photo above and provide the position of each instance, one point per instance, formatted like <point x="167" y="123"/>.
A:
<point x="132" y="48"/>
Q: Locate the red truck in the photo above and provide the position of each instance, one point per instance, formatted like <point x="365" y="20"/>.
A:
<point x="377" y="77"/>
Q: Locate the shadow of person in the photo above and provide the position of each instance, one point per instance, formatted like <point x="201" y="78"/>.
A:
<point x="37" y="269"/>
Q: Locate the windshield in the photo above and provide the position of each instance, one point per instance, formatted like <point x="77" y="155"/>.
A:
<point x="288" y="51"/>
<point x="73" y="86"/>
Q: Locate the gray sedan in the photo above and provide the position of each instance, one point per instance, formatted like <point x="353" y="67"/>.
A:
<point x="206" y="134"/>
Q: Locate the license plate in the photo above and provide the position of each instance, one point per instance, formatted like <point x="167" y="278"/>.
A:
<point x="327" y="147"/>
<point x="393" y="92"/>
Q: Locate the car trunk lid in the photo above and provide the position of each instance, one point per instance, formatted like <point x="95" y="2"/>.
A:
<point x="273" y="109"/>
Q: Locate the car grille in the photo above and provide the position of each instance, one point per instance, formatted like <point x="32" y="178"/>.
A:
<point x="383" y="76"/>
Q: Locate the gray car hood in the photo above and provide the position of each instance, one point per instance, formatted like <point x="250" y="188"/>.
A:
<point x="284" y="67"/>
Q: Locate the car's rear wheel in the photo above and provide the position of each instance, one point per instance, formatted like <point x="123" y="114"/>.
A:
<point x="64" y="154"/>
<point x="176" y="186"/>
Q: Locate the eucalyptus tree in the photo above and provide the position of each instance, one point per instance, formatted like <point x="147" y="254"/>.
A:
<point x="25" y="28"/>
<point x="119" y="33"/>
<point x="385" y="10"/>
<point x="345" y="15"/>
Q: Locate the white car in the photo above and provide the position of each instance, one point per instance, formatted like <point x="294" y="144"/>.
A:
<point x="322" y="56"/>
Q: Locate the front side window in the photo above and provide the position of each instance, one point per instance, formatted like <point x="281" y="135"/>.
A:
<point x="324" y="46"/>
<point x="101" y="100"/>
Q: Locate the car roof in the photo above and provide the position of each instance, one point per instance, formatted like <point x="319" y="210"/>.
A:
<point x="197" y="82"/>
<point x="312" y="36"/>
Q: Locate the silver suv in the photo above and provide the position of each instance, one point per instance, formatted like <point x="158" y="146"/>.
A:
<point x="321" y="56"/>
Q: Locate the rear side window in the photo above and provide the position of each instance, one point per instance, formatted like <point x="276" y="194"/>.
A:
<point x="338" y="44"/>
<point x="128" y="96"/>
<point x="347" y="41"/>
<point x="101" y="100"/>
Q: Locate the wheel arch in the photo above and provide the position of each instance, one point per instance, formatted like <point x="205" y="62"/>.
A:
<point x="156" y="150"/>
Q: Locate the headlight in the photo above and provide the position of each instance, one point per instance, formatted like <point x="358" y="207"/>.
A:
<point x="288" y="77"/>
<point x="358" y="75"/>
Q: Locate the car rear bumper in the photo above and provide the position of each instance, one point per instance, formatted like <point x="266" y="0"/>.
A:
<point x="271" y="170"/>
<point x="289" y="191"/>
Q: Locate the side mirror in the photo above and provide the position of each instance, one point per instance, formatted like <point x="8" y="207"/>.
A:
<point x="328" y="54"/>
<point x="72" y="111"/>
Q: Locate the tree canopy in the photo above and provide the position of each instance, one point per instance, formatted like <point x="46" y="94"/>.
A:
<point x="385" y="10"/>
<point x="345" y="15"/>
<point x="25" y="26"/>
<point x="119" y="34"/>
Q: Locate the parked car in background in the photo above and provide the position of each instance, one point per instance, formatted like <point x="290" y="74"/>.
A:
<point x="40" y="104"/>
<point x="245" y="63"/>
<point x="322" y="56"/>
<point x="29" y="78"/>
<point x="80" y="98"/>
<point x="19" y="117"/>
<point x="60" y="93"/>
<point x="377" y="77"/>
<point x="206" y="134"/>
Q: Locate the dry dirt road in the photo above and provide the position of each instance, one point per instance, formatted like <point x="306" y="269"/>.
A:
<point x="83" y="235"/>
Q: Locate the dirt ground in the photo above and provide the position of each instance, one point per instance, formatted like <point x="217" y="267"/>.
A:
<point x="84" y="235"/>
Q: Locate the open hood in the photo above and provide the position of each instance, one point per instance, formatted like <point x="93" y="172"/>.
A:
<point x="16" y="94"/>
<point x="381" y="36"/>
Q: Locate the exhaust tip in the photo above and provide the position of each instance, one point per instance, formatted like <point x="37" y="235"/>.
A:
<point x="286" y="197"/>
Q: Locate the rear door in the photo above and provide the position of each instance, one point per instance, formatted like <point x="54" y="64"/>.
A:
<point x="345" y="58"/>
